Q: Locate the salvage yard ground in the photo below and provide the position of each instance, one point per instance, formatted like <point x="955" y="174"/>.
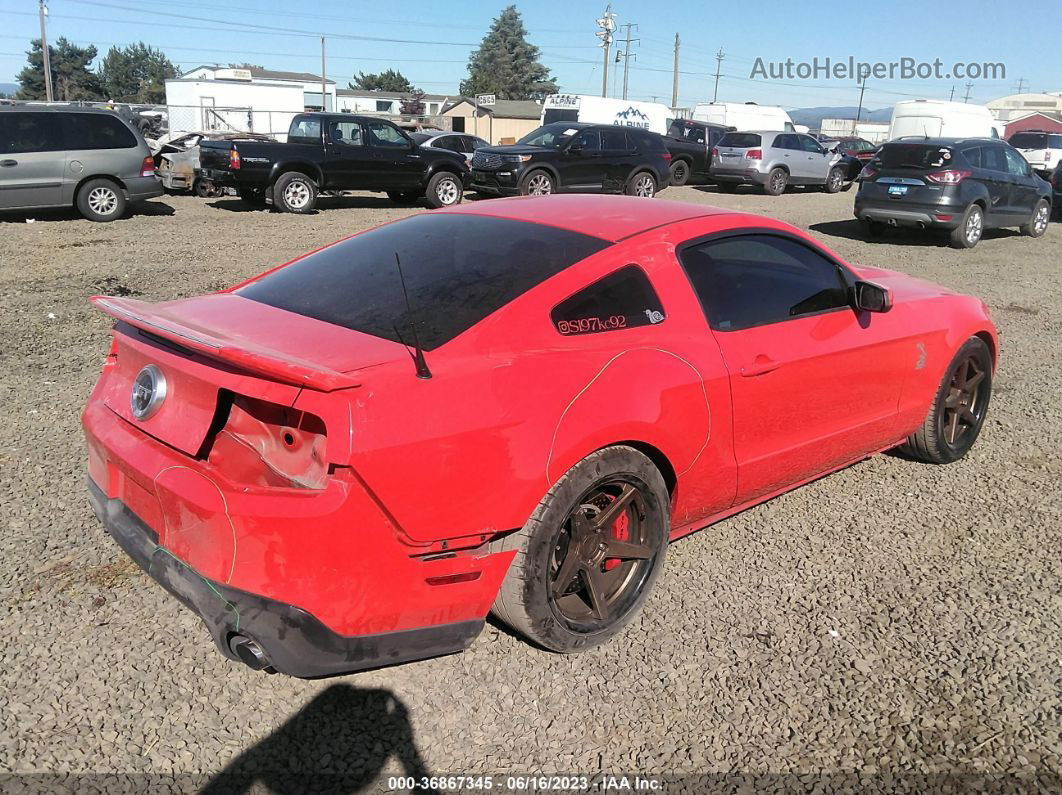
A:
<point x="894" y="617"/>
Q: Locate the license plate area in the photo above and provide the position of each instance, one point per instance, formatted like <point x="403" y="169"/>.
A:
<point x="897" y="190"/>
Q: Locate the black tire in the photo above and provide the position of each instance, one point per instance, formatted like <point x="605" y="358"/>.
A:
<point x="206" y="190"/>
<point x="642" y="184"/>
<point x="680" y="173"/>
<point x="875" y="229"/>
<point x="949" y="431"/>
<point x="445" y="189"/>
<point x="255" y="198"/>
<point x="294" y="192"/>
<point x="834" y="180"/>
<point x="101" y="200"/>
<point x="776" y="182"/>
<point x="968" y="233"/>
<point x="538" y="183"/>
<point x="403" y="197"/>
<point x="568" y="618"/>
<point x="727" y="187"/>
<point x="1038" y="219"/>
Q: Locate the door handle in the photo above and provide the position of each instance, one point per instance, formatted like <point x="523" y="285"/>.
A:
<point x="8" y="163"/>
<point x="761" y="365"/>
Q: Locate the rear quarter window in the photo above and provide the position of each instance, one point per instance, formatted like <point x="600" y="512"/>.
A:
<point x="623" y="299"/>
<point x="740" y="140"/>
<point x="98" y="131"/>
<point x="30" y="132"/>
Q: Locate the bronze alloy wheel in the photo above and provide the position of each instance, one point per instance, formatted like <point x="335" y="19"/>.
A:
<point x="603" y="556"/>
<point x="965" y="403"/>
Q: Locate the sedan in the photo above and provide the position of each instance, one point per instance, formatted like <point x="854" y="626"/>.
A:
<point x="513" y="406"/>
<point x="462" y="143"/>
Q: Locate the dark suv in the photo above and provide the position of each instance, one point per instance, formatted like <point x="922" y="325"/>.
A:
<point x="963" y="185"/>
<point x="573" y="157"/>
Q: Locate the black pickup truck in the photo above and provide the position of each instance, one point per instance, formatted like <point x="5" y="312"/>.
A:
<point x="690" y="144"/>
<point x="334" y="152"/>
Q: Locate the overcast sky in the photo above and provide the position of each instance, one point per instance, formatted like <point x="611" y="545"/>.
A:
<point x="436" y="38"/>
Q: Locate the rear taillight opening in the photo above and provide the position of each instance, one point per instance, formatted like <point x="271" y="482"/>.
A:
<point x="754" y="154"/>
<point x="234" y="159"/>
<point x="948" y="176"/>
<point x="147" y="168"/>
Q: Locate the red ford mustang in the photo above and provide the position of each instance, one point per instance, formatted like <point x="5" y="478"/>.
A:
<point x="515" y="405"/>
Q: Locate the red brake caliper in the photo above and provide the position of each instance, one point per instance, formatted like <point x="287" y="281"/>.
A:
<point x="620" y="532"/>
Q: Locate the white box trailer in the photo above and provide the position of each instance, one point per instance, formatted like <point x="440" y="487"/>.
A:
<point x="934" y="118"/>
<point x="744" y="116"/>
<point x="652" y="116"/>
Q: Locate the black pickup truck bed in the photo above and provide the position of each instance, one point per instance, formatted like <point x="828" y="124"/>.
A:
<point x="334" y="152"/>
<point x="690" y="145"/>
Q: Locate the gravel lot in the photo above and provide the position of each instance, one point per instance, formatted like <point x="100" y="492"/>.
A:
<point x="894" y="619"/>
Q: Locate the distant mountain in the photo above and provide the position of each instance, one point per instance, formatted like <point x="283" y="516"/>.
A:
<point x="813" y="117"/>
<point x="8" y="88"/>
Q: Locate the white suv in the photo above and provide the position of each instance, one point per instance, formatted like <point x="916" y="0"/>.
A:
<point x="1042" y="149"/>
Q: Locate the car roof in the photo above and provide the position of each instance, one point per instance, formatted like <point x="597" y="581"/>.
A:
<point x="917" y="139"/>
<point x="55" y="109"/>
<point x="608" y="217"/>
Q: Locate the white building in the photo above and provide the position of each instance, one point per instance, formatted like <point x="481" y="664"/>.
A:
<point x="387" y="103"/>
<point x="873" y="131"/>
<point x="1015" y="106"/>
<point x="248" y="100"/>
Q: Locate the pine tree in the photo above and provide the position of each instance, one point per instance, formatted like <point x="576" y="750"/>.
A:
<point x="391" y="80"/>
<point x="137" y="73"/>
<point x="506" y="63"/>
<point x="71" y="77"/>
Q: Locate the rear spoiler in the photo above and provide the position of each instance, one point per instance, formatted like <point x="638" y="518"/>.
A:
<point x="253" y="358"/>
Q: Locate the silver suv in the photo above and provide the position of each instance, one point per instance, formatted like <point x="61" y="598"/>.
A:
<point x="63" y="156"/>
<point x="773" y="160"/>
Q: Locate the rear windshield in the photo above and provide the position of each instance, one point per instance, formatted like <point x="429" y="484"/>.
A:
<point x="914" y="155"/>
<point x="741" y="140"/>
<point x="1035" y="141"/>
<point x="458" y="269"/>
<point x="687" y="131"/>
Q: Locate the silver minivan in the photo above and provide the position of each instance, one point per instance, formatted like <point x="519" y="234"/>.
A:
<point x="72" y="157"/>
<point x="773" y="160"/>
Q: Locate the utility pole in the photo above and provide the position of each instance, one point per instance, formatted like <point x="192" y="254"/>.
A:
<point x="607" y="23"/>
<point x="967" y="97"/>
<point x="951" y="96"/>
<point x="674" y="76"/>
<point x="43" y="11"/>
<point x="859" y="112"/>
<point x="1021" y="83"/>
<point x="718" y="66"/>
<point x="627" y="55"/>
<point x="324" y="103"/>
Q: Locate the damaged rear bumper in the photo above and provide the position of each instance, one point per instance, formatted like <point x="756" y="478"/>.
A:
<point x="292" y="640"/>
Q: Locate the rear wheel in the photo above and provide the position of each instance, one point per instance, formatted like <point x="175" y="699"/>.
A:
<point x="1038" y="219"/>
<point x="776" y="182"/>
<point x="589" y="554"/>
<point x="295" y="192"/>
<point x="101" y="200"/>
<point x="959" y="407"/>
<point x="968" y="233"/>
<point x="642" y="184"/>
<point x="680" y="173"/>
<point x="444" y="190"/>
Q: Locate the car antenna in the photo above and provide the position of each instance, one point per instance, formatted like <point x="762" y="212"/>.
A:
<point x="418" y="352"/>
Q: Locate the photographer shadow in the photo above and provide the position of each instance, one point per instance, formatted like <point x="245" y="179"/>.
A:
<point x="338" y="743"/>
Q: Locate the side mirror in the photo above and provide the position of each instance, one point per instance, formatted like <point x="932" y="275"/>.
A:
<point x="870" y="297"/>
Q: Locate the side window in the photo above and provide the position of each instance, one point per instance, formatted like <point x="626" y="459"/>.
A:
<point x="783" y="142"/>
<point x="992" y="157"/>
<point x="752" y="280"/>
<point x="98" y="131"/>
<point x="305" y="131"/>
<point x="383" y="134"/>
<point x="30" y="132"/>
<point x="1016" y="164"/>
<point x="478" y="143"/>
<point x="347" y="133"/>
<point x="809" y="144"/>
<point x="713" y="136"/>
<point x="973" y="156"/>
<point x="614" y="140"/>
<point x="589" y="140"/>
<point x="623" y="299"/>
